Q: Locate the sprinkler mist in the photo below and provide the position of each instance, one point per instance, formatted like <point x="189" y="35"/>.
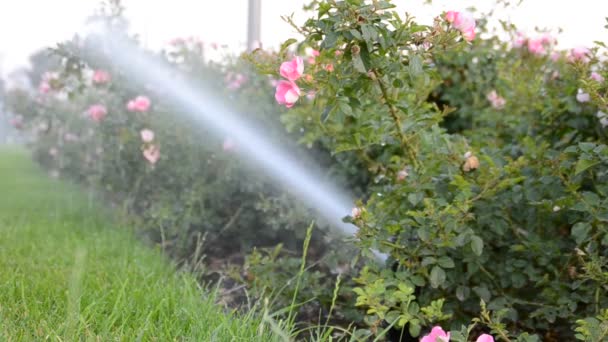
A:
<point x="306" y="184"/>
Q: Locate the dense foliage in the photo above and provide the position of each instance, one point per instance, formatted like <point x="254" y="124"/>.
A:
<point x="489" y="162"/>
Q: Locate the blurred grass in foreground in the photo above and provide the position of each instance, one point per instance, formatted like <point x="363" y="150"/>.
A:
<point x="68" y="271"/>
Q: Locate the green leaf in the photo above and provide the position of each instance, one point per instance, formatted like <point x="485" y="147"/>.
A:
<point x="477" y="245"/>
<point x="358" y="64"/>
<point x="462" y="293"/>
<point x="345" y="108"/>
<point x="586" y="146"/>
<point x="445" y="262"/>
<point x="414" y="327"/>
<point x="424" y="234"/>
<point x="330" y="40"/>
<point x="580" y="232"/>
<point x="584" y="164"/>
<point x="415" y="198"/>
<point x="287" y="43"/>
<point x="369" y="34"/>
<point x="345" y="147"/>
<point x="356" y="34"/>
<point x="483" y="293"/>
<point x="415" y="66"/>
<point x="323" y="8"/>
<point x="380" y="5"/>
<point x="437" y="276"/>
<point x="419" y="281"/>
<point x="428" y="261"/>
<point x="591" y="198"/>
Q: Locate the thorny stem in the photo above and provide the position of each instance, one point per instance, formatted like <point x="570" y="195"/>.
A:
<point x="604" y="334"/>
<point x="503" y="335"/>
<point x="404" y="141"/>
<point x="488" y="321"/>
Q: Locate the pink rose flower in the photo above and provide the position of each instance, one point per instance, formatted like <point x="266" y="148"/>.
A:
<point x="235" y="81"/>
<point x="292" y="70"/>
<point x="555" y="56"/>
<point x="139" y="104"/>
<point x="498" y="102"/>
<point x="287" y="93"/>
<point x="17" y="121"/>
<point x="582" y="97"/>
<point x="152" y="154"/>
<point x="356" y="212"/>
<point x="44" y="87"/>
<point x="548" y="39"/>
<point x="519" y="40"/>
<point x="329" y="67"/>
<point x="485" y="338"/>
<point x="312" y="55"/>
<point x="101" y="77"/>
<point x="146" y="135"/>
<point x="469" y="34"/>
<point x="436" y="335"/>
<point x="450" y="16"/>
<point x="402" y="175"/>
<point x="536" y="47"/>
<point x="462" y="21"/>
<point x="97" y="112"/>
<point x="597" y="77"/>
<point x="579" y="54"/>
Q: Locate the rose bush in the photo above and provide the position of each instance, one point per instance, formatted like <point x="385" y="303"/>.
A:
<point x="488" y="162"/>
<point x="184" y="185"/>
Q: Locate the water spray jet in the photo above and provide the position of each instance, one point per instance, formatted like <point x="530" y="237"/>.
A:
<point x="331" y="203"/>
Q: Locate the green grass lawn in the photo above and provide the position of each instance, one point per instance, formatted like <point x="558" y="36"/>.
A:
<point x="69" y="271"/>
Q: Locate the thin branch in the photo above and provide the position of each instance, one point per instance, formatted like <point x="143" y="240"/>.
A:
<point x="393" y="110"/>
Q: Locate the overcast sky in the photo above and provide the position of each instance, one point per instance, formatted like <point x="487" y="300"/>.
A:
<point x="28" y="25"/>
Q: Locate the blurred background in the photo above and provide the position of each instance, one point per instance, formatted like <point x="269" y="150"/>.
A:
<point x="28" y="25"/>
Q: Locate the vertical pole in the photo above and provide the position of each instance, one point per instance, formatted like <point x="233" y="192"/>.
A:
<point x="254" y="25"/>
